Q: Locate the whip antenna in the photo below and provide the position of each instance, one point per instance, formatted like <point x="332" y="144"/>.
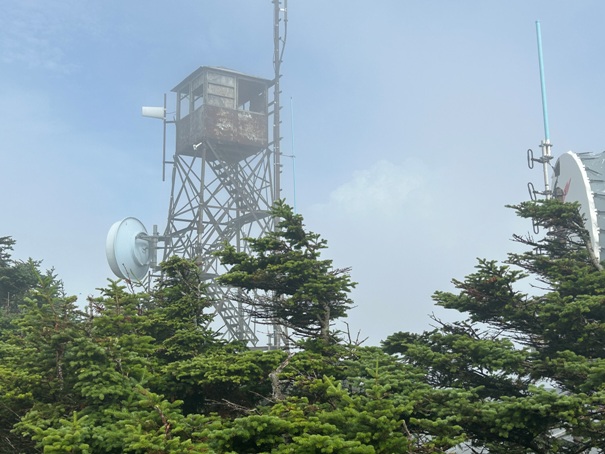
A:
<point x="545" y="145"/>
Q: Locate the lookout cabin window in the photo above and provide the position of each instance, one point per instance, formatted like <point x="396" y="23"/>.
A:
<point x="251" y="96"/>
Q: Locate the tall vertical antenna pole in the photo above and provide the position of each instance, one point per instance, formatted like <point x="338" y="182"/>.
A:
<point x="542" y="82"/>
<point x="293" y="151"/>
<point x="279" y="44"/>
<point x="545" y="145"/>
<point x="276" y="103"/>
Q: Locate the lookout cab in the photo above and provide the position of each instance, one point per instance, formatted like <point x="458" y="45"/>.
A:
<point x="221" y="113"/>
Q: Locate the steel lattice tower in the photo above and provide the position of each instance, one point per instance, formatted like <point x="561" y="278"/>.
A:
<point x="223" y="177"/>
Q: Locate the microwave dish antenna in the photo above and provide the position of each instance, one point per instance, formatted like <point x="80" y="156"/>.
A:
<point x="128" y="249"/>
<point x="580" y="177"/>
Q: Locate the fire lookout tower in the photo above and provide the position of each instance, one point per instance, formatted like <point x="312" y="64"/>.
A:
<point x="225" y="179"/>
<point x="223" y="176"/>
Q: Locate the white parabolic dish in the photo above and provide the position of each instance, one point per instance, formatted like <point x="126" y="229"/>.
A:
<point x="128" y="253"/>
<point x="580" y="177"/>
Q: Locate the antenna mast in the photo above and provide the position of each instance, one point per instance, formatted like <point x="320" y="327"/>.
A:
<point x="278" y="336"/>
<point x="279" y="45"/>
<point x="545" y="145"/>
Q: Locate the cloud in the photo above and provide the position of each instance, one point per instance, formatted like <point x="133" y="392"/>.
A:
<point x="385" y="223"/>
<point x="385" y="189"/>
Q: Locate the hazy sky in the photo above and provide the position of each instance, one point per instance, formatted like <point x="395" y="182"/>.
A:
<point x="411" y="124"/>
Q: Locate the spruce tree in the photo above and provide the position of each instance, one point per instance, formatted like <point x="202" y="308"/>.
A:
<point x="285" y="281"/>
<point x="533" y="363"/>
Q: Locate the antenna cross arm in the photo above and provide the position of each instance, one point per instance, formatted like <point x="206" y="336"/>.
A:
<point x="144" y="236"/>
<point x="544" y="159"/>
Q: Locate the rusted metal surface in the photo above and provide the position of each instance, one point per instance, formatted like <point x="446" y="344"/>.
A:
<point x="230" y="127"/>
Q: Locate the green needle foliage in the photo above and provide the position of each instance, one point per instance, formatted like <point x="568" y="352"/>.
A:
<point x="178" y="315"/>
<point x="299" y="290"/>
<point x="533" y="365"/>
<point x="16" y="278"/>
<point x="521" y="372"/>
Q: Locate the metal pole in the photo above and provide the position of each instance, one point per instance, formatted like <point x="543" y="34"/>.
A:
<point x="278" y="47"/>
<point x="164" y="143"/>
<point x="542" y="82"/>
<point x="545" y="145"/>
<point x="293" y="152"/>
<point x="276" y="102"/>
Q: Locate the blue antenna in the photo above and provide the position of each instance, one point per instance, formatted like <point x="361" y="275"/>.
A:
<point x="545" y="145"/>
<point x="542" y="83"/>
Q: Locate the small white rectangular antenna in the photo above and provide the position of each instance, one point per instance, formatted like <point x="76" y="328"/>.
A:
<point x="154" y="112"/>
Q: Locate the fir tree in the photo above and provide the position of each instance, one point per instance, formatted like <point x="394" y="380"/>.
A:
<point x="285" y="281"/>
